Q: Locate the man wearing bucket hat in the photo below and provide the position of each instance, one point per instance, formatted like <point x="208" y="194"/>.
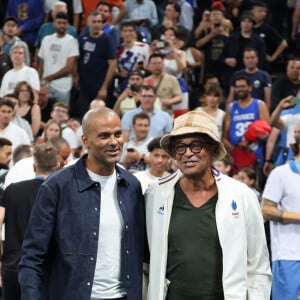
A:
<point x="205" y="230"/>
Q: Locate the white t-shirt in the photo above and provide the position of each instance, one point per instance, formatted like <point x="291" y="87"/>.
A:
<point x="12" y="77"/>
<point x="71" y="137"/>
<point x="145" y="178"/>
<point x="290" y="122"/>
<point x="108" y="282"/>
<point x="219" y="119"/>
<point x="55" y="52"/>
<point x="22" y="170"/>
<point x="282" y="187"/>
<point x="16" y="135"/>
<point x="24" y="124"/>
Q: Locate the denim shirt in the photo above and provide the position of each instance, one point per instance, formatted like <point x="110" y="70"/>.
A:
<point x="60" y="246"/>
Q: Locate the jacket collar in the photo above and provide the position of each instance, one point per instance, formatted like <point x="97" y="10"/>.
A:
<point x="84" y="181"/>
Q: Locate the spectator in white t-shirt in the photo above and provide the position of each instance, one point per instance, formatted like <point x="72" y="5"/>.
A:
<point x="8" y="130"/>
<point x="159" y="161"/>
<point x="57" y="56"/>
<point x="20" y="72"/>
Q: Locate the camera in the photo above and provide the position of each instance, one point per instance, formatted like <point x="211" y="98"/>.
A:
<point x="161" y="44"/>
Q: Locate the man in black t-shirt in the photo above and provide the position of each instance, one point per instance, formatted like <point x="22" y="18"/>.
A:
<point x="239" y="41"/>
<point x="15" y="208"/>
<point x="275" y="43"/>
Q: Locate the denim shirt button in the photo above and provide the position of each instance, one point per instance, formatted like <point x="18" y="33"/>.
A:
<point x="96" y="208"/>
<point x="92" y="258"/>
<point x="126" y="227"/>
<point x="94" y="233"/>
<point x="128" y="276"/>
<point x="88" y="283"/>
<point x="127" y="252"/>
<point x="120" y="202"/>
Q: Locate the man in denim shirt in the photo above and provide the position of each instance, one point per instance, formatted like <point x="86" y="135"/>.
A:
<point x="85" y="238"/>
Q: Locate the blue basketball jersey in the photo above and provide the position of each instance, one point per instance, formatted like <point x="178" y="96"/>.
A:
<point x="241" y="118"/>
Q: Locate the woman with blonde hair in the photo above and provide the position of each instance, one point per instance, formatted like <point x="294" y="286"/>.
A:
<point x="52" y="129"/>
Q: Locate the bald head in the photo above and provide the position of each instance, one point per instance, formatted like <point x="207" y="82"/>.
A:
<point x="93" y="114"/>
<point x="97" y="103"/>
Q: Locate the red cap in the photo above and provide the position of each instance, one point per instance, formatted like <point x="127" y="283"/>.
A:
<point x="218" y="5"/>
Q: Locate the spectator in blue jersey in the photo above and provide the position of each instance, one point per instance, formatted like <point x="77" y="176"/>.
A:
<point x="97" y="63"/>
<point x="105" y="9"/>
<point x="260" y="79"/>
<point x="239" y="115"/>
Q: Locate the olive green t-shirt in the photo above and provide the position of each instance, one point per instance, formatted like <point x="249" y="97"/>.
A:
<point x="194" y="265"/>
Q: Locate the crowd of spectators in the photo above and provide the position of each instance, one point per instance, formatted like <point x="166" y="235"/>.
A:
<point x="151" y="61"/>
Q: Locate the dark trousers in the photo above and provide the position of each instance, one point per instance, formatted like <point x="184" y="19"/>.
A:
<point x="11" y="289"/>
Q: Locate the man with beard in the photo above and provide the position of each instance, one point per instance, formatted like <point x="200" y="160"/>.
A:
<point x="287" y="84"/>
<point x="58" y="55"/>
<point x="10" y="29"/>
<point x="88" y="217"/>
<point x="130" y="98"/>
<point x="260" y="79"/>
<point x="281" y="206"/>
<point x="239" y="115"/>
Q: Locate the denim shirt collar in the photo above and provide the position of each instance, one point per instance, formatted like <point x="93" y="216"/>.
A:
<point x="84" y="181"/>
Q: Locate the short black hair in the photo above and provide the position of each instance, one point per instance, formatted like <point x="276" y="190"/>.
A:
<point x="128" y="24"/>
<point x="210" y="76"/>
<point x="250" y="49"/>
<point x="61" y="15"/>
<point x="7" y="102"/>
<point x="154" y="55"/>
<point x="176" y="6"/>
<point x="154" y="144"/>
<point x="5" y="142"/>
<point x="141" y="115"/>
<point x="245" y="78"/>
<point x="104" y="3"/>
<point x="149" y="88"/>
<point x="259" y="4"/>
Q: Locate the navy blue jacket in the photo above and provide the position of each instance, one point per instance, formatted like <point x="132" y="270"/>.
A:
<point x="60" y="246"/>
